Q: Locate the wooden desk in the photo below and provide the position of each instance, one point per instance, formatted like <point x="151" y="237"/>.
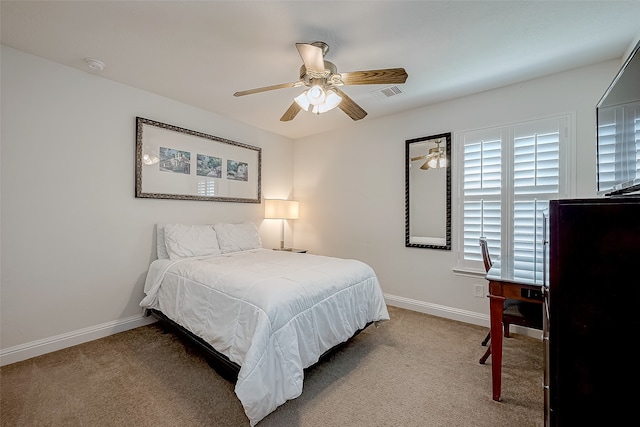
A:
<point x="502" y="285"/>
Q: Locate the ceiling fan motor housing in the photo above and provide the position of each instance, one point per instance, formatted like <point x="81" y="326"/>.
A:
<point x="329" y="70"/>
<point x="321" y="45"/>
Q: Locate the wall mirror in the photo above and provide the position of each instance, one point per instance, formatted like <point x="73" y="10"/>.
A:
<point x="428" y="192"/>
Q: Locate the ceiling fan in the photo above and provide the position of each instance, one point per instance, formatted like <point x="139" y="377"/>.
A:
<point x="435" y="159"/>
<point x="323" y="82"/>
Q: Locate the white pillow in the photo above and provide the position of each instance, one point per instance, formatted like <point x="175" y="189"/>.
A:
<point x="237" y="237"/>
<point x="185" y="241"/>
<point x="161" y="248"/>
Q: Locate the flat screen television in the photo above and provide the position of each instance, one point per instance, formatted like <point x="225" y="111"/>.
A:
<point x="618" y="131"/>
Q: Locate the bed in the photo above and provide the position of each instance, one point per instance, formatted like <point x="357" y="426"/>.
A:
<point x="270" y="314"/>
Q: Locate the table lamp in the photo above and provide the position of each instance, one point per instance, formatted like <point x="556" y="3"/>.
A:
<point x="282" y="210"/>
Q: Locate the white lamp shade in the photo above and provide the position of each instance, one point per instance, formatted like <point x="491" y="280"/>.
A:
<point x="436" y="159"/>
<point x="317" y="100"/>
<point x="302" y="101"/>
<point x="332" y="100"/>
<point x="281" y="209"/>
<point x="316" y="95"/>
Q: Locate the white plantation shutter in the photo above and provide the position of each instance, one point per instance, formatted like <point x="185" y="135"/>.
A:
<point x="636" y="130"/>
<point x="606" y="150"/>
<point x="482" y="183"/>
<point x="509" y="174"/>
<point x="610" y="129"/>
<point x="527" y="238"/>
<point x="536" y="180"/>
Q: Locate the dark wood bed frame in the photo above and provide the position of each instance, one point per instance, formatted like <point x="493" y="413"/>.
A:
<point x="218" y="361"/>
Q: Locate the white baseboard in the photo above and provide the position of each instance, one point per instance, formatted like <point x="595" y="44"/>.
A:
<point x="438" y="310"/>
<point x="59" y="342"/>
<point x="453" y="313"/>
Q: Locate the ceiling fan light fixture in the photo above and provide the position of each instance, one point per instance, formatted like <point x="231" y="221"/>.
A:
<point x="316" y="95"/>
<point x="149" y="159"/>
<point x="303" y="101"/>
<point x="331" y="101"/>
<point x="309" y="100"/>
<point x="437" y="158"/>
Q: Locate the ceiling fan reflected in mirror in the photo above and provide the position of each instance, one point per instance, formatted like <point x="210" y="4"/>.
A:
<point x="436" y="158"/>
<point x="322" y="80"/>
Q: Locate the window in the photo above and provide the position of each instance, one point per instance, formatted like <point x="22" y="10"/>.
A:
<point x="618" y="146"/>
<point x="507" y="177"/>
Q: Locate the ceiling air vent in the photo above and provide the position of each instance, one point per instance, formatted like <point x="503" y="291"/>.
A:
<point x="387" y="92"/>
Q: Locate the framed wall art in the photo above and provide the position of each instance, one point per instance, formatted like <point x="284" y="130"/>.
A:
<point x="177" y="163"/>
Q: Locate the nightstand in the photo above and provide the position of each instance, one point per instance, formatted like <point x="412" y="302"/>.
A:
<point x="294" y="250"/>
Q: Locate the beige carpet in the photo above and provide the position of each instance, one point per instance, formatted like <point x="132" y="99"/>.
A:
<point x="415" y="370"/>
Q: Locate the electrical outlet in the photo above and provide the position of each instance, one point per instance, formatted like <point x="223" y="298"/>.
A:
<point x="478" y="291"/>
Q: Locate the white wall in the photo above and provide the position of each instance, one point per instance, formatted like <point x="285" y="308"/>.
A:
<point x="76" y="243"/>
<point x="352" y="191"/>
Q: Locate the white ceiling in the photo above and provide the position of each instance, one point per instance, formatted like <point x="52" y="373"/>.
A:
<point x="201" y="52"/>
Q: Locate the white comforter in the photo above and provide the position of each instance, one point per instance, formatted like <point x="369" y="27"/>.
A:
<point x="271" y="312"/>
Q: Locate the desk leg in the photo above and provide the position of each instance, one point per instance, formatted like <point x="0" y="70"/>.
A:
<point x="495" y="312"/>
